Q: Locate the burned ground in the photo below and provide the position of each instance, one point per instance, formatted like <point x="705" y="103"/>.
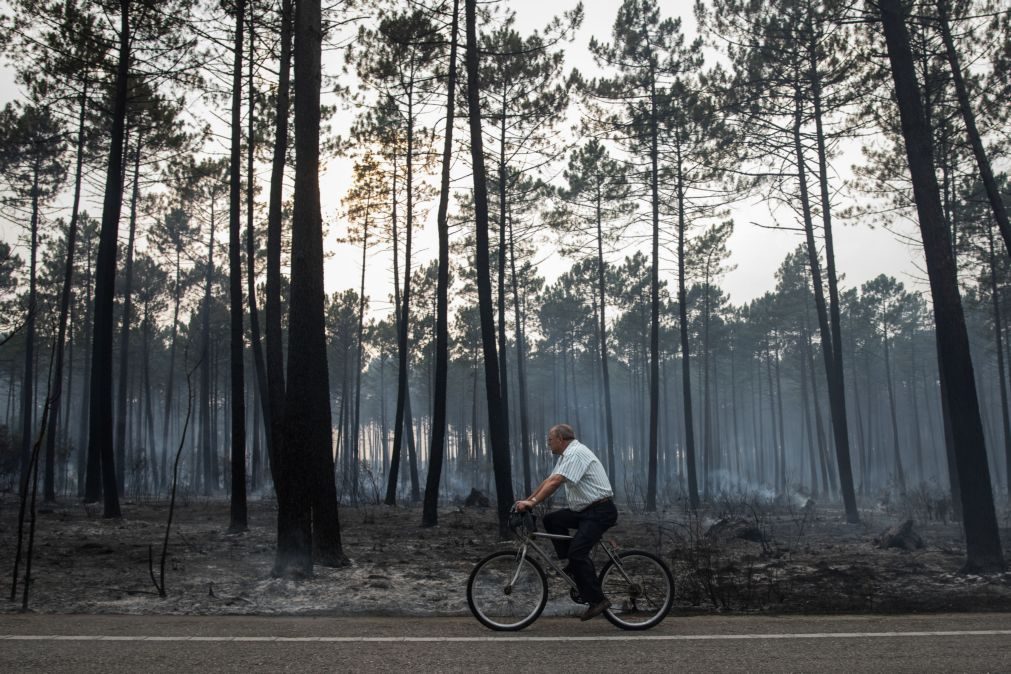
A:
<point x="740" y="556"/>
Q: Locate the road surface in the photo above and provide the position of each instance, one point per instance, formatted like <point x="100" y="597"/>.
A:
<point x="918" y="643"/>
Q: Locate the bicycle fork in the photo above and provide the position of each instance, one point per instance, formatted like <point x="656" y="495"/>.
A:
<point x="516" y="574"/>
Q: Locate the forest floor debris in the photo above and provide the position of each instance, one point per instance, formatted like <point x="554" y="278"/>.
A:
<point x="766" y="558"/>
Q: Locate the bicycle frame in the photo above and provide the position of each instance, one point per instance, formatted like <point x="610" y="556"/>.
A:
<point x="525" y="542"/>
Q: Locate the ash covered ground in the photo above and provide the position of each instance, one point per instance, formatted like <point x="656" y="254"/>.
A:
<point x="739" y="556"/>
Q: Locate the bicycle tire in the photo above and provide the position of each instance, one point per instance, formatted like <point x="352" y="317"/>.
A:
<point x="500" y="606"/>
<point x="645" y="601"/>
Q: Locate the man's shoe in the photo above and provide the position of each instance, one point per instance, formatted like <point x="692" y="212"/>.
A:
<point x="596" y="609"/>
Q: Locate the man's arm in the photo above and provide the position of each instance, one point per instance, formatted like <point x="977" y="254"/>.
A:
<point x="546" y="488"/>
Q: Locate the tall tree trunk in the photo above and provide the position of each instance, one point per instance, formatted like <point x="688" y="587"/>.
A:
<point x="412" y="452"/>
<point x="254" y="314"/>
<point x="157" y="478"/>
<point x="521" y="367"/>
<point x="999" y="346"/>
<point x="403" y="319"/>
<point x="100" y="413"/>
<point x="124" y="334"/>
<point x="983" y="550"/>
<point x="835" y="321"/>
<point x="686" y="374"/>
<point x="206" y="423"/>
<point x="83" y="455"/>
<point x="602" y="293"/>
<point x="496" y="411"/>
<point x="837" y="400"/>
<point x="707" y="428"/>
<point x="170" y="386"/>
<point x="272" y="301"/>
<point x="781" y="457"/>
<point x="237" y="509"/>
<point x="289" y="462"/>
<point x="654" y="297"/>
<point x="308" y="440"/>
<point x="27" y="387"/>
<point x="808" y="424"/>
<point x="360" y="348"/>
<point x="49" y="490"/>
<point x="430" y="511"/>
<point x="969" y="119"/>
<point x="900" y="475"/>
<point x="503" y="214"/>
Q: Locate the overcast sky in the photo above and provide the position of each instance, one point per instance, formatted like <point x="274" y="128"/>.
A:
<point x="756" y="252"/>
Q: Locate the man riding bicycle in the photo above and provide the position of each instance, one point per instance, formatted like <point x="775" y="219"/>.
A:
<point x="591" y="511"/>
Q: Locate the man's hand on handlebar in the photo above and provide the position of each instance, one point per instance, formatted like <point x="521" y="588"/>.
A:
<point x="525" y="505"/>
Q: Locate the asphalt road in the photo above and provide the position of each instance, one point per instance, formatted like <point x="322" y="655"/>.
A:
<point x="918" y="643"/>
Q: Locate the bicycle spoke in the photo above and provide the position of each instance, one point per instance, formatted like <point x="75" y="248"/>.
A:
<point x="507" y="593"/>
<point x="640" y="591"/>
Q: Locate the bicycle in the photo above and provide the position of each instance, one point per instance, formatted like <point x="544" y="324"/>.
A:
<point x="508" y="589"/>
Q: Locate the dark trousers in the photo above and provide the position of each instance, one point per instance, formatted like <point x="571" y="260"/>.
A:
<point x="590" y="525"/>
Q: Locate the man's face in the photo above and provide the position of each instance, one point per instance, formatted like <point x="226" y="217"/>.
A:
<point x="555" y="443"/>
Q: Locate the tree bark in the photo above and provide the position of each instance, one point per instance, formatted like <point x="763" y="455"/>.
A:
<point x="124" y="334"/>
<point x="496" y="412"/>
<point x="254" y="315"/>
<point x="273" y="335"/>
<point x="49" y="491"/>
<point x="654" y="299"/>
<point x="983" y="550"/>
<point x="100" y="412"/>
<point x="308" y="440"/>
<point x="237" y="504"/>
<point x="969" y="118"/>
<point x="836" y="392"/>
<point x="686" y="373"/>
<point x="27" y="386"/>
<point x="602" y="292"/>
<point x="430" y="511"/>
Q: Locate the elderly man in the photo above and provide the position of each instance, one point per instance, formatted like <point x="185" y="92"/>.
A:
<point x="591" y="511"/>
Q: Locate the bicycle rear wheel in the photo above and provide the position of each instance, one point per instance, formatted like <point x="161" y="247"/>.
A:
<point x="505" y="593"/>
<point x="641" y="590"/>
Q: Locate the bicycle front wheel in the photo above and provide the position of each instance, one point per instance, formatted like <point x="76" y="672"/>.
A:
<point x="505" y="592"/>
<point x="641" y="590"/>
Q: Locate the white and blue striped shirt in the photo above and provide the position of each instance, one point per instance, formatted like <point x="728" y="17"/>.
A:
<point x="585" y="479"/>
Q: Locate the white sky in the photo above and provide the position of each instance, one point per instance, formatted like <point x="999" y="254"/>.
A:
<point x="756" y="252"/>
<point x="862" y="252"/>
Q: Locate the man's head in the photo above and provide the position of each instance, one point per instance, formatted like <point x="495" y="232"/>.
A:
<point x="559" y="438"/>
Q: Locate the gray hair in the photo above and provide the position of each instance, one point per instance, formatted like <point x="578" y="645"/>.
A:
<point x="564" y="431"/>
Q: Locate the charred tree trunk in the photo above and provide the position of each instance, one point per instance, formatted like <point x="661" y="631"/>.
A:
<point x="602" y="293"/>
<point x="124" y="334"/>
<point x="237" y="378"/>
<point x="254" y="315"/>
<point x="430" y="511"/>
<point x="983" y="550"/>
<point x="27" y="386"/>
<point x="496" y="411"/>
<point x="49" y="490"/>
<point x="100" y="412"/>
<point x="969" y="118"/>
<point x="900" y="475"/>
<point x="272" y="302"/>
<point x="999" y="346"/>
<point x="654" y="297"/>
<point x="686" y="374"/>
<point x="308" y="439"/>
<point x="836" y="392"/>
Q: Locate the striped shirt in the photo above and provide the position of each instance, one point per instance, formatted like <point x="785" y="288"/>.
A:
<point x="585" y="479"/>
